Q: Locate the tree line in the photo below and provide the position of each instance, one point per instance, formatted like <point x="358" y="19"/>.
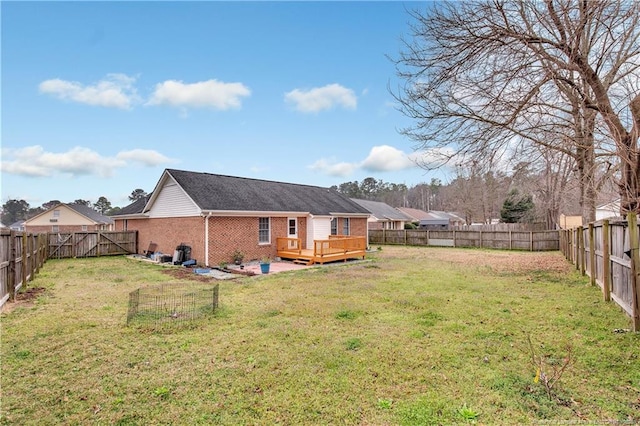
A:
<point x="18" y="210"/>
<point x="527" y="193"/>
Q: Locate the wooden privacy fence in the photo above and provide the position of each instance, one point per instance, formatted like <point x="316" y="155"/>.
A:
<point x="21" y="257"/>
<point x="23" y="254"/>
<point x="91" y="244"/>
<point x="507" y="240"/>
<point x="607" y="251"/>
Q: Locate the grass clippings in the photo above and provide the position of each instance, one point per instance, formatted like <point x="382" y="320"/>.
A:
<point x="413" y="336"/>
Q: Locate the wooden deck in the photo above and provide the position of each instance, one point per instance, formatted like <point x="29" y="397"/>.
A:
<point x="332" y="250"/>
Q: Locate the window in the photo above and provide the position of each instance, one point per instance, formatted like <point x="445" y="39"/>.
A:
<point x="293" y="225"/>
<point x="56" y="213"/>
<point x="55" y="228"/>
<point x="84" y="228"/>
<point x="264" y="234"/>
<point x="124" y="225"/>
<point x="345" y="226"/>
<point x="334" y="226"/>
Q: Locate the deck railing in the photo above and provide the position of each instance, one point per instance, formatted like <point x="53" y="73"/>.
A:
<point x="339" y="244"/>
<point x="293" y="245"/>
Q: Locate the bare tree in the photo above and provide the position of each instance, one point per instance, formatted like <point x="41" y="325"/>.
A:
<point x="486" y="80"/>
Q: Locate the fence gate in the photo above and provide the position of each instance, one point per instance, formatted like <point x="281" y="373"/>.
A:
<point x="91" y="244"/>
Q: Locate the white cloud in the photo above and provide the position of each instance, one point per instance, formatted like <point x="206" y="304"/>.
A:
<point x="147" y="157"/>
<point x="210" y="93"/>
<point x="383" y="158"/>
<point x="434" y="157"/>
<point x="322" y="98"/>
<point x="386" y="158"/>
<point x="333" y="168"/>
<point x="115" y="91"/>
<point x="34" y="161"/>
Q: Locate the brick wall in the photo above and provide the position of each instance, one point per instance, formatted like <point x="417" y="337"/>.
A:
<point x="168" y="233"/>
<point x="358" y="227"/>
<point x="226" y="235"/>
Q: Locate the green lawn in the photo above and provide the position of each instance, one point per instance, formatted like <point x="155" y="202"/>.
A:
<point x="411" y="336"/>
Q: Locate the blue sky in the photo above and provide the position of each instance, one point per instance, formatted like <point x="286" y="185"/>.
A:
<point x="98" y="98"/>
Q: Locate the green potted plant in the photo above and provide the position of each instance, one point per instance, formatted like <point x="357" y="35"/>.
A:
<point x="237" y="257"/>
<point x="265" y="263"/>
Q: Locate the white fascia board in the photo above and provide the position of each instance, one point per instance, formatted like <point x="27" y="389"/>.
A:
<point x="242" y="213"/>
<point x="131" y="216"/>
<point x="365" y="215"/>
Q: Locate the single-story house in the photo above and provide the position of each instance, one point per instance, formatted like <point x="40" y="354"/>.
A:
<point x="17" y="226"/>
<point x="415" y="215"/>
<point x="440" y="220"/>
<point x="383" y="216"/>
<point x="217" y="215"/>
<point x="608" y="210"/>
<point x="69" y="218"/>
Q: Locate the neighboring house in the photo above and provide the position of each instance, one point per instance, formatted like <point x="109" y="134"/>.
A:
<point x="69" y="218"/>
<point x="569" y="222"/>
<point x="383" y="216"/>
<point x="17" y="226"/>
<point x="440" y="220"/>
<point x="432" y="219"/>
<point x="608" y="210"/>
<point x="215" y="215"/>
<point x="416" y="215"/>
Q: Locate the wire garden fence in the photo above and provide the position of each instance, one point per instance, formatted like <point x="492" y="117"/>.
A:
<point x="171" y="304"/>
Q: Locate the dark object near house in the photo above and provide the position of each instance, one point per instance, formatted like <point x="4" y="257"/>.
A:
<point x="190" y="262"/>
<point x="151" y="250"/>
<point x="182" y="254"/>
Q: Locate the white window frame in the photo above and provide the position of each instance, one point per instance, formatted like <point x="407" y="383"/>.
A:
<point x="346" y="226"/>
<point x="268" y="230"/>
<point x="55" y="228"/>
<point x="56" y="213"/>
<point x="334" y="226"/>
<point x="84" y="228"/>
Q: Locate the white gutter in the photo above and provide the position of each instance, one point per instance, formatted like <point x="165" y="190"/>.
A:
<point x="255" y="213"/>
<point x="206" y="239"/>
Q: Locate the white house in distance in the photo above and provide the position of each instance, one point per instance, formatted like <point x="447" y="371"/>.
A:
<point x="608" y="210"/>
<point x="69" y="218"/>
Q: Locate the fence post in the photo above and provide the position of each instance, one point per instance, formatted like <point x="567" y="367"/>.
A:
<point x="24" y="259"/>
<point x="12" y="266"/>
<point x="592" y="254"/>
<point x="576" y="244"/>
<point x="632" y="223"/>
<point x="606" y="253"/>
<point x="531" y="241"/>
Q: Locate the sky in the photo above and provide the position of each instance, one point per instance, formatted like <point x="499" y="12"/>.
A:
<point x="98" y="98"/>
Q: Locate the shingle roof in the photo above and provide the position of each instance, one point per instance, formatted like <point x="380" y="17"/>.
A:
<point x="90" y="213"/>
<point x="134" y="208"/>
<point x="219" y="192"/>
<point x="415" y="214"/>
<point x="382" y="210"/>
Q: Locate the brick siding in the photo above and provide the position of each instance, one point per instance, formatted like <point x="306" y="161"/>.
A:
<point x="226" y="235"/>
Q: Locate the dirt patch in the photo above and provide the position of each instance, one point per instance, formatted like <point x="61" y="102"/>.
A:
<point x="517" y="262"/>
<point x="24" y="299"/>
<point x="187" y="274"/>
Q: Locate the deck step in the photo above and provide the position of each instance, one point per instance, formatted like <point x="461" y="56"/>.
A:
<point x="303" y="261"/>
